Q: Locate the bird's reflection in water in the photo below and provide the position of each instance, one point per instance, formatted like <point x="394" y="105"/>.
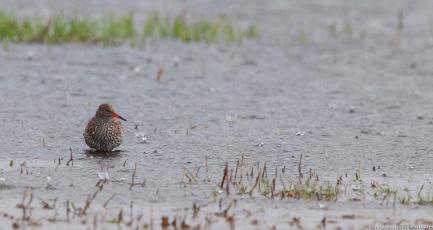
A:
<point x="103" y="154"/>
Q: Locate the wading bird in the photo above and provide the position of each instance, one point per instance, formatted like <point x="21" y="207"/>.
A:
<point x="104" y="131"/>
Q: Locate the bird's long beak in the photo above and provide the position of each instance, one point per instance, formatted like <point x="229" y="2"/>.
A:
<point x="118" y="116"/>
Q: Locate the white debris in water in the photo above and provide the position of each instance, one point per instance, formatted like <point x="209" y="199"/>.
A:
<point x="103" y="175"/>
<point x="230" y="118"/>
<point x="356" y="187"/>
<point x="48" y="179"/>
<point x="322" y="206"/>
<point x="2" y="180"/>
<point x="352" y="109"/>
<point x="141" y="137"/>
<point x="137" y="69"/>
<point x="300" y="133"/>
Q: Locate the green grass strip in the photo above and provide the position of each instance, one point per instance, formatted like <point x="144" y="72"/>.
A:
<point x="113" y="30"/>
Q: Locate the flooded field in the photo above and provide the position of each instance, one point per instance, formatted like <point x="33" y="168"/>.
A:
<point x="325" y="121"/>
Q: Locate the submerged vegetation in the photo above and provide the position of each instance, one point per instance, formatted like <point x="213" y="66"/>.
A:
<point x="246" y="179"/>
<point x="257" y="182"/>
<point x="113" y="30"/>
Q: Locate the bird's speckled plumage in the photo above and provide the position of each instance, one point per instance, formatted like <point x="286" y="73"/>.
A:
<point x="104" y="131"/>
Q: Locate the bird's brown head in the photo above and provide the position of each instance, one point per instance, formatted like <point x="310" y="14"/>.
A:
<point x="107" y="111"/>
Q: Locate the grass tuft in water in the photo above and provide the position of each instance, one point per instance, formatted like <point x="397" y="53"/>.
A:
<point x="257" y="182"/>
<point x="302" y="36"/>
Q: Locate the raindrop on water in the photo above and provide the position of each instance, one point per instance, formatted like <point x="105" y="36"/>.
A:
<point x="141" y="137"/>
<point x="332" y="106"/>
<point x="261" y="144"/>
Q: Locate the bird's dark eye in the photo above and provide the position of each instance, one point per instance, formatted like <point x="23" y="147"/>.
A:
<point x="107" y="110"/>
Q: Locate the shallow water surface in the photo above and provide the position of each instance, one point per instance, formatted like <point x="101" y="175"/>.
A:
<point x="345" y="104"/>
